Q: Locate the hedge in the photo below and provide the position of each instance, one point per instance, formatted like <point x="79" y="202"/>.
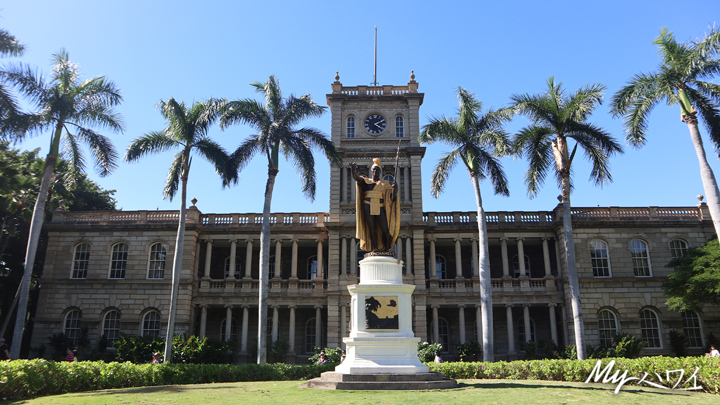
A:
<point x="708" y="374"/>
<point x="24" y="378"/>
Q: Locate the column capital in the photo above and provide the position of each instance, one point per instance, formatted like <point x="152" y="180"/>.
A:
<point x="275" y="306"/>
<point x="552" y="305"/>
<point x="230" y="306"/>
<point x="204" y="305"/>
<point x="478" y="305"/>
<point x="320" y="239"/>
<point x="509" y="305"/>
<point x="503" y="239"/>
<point x="246" y="306"/>
<point x="278" y="241"/>
<point x="234" y="240"/>
<point x="520" y="238"/>
<point x="547" y="238"/>
<point x="526" y="305"/>
<point x="249" y="240"/>
<point x="318" y="306"/>
<point x="435" y="306"/>
<point x="457" y="239"/>
<point x="295" y="240"/>
<point x="461" y="306"/>
<point x="209" y="240"/>
<point x="292" y="306"/>
<point x="474" y="239"/>
<point x="431" y="239"/>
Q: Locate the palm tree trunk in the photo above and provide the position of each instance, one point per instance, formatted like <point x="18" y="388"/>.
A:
<point x="706" y="174"/>
<point x="569" y="244"/>
<point x="264" y="269"/>
<point x="36" y="222"/>
<point x="177" y="267"/>
<point x="486" y="308"/>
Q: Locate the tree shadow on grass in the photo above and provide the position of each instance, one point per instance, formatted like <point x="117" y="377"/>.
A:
<point x="584" y="387"/>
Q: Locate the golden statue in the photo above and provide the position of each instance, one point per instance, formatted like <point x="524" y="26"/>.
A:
<point x="377" y="210"/>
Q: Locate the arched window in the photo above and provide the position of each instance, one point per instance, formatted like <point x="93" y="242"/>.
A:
<point x="678" y="248"/>
<point x="650" y="328"/>
<point x="312" y="267"/>
<point x="516" y="266"/>
<point x="72" y="328"/>
<point x="118" y="260"/>
<point x="440" y="267"/>
<point x="640" y="258"/>
<point x="310" y="339"/>
<point x="233" y="329"/>
<point x="607" y="327"/>
<point x="443" y="334"/>
<point x="111" y="326"/>
<point x="151" y="324"/>
<point x="389" y="178"/>
<point x="351" y="127"/>
<point x="156" y="261"/>
<point x="599" y="258"/>
<point x="81" y="260"/>
<point x="521" y="330"/>
<point x="692" y="328"/>
<point x="399" y="127"/>
<point x="237" y="267"/>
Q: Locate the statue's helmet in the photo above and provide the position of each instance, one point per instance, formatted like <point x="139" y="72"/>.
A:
<point x="376" y="162"/>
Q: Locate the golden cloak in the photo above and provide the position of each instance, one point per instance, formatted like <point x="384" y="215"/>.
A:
<point x="392" y="211"/>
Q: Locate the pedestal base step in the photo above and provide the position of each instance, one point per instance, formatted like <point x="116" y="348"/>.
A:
<point x="418" y="381"/>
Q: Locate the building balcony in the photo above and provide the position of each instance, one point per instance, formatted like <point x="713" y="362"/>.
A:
<point x="250" y="286"/>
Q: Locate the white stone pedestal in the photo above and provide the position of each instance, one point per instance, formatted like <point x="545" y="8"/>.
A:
<point x="385" y="345"/>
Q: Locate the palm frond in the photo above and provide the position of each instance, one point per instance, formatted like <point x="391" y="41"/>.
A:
<point x="28" y="81"/>
<point x="298" y="109"/>
<point x="491" y="167"/>
<point x="9" y="45"/>
<point x="150" y="143"/>
<point x="215" y="154"/>
<point x="298" y="152"/>
<point x="172" y="181"/>
<point x="273" y="96"/>
<point x="598" y="147"/>
<point x="100" y="116"/>
<point x="441" y="129"/>
<point x="101" y="148"/>
<point x="241" y="157"/>
<point x="246" y="111"/>
<point x="535" y="143"/>
<point x="583" y="102"/>
<point x="73" y="155"/>
<point x="317" y="139"/>
<point x="709" y="112"/>
<point x="442" y="171"/>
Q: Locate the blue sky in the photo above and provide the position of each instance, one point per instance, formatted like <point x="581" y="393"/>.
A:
<point x="194" y="50"/>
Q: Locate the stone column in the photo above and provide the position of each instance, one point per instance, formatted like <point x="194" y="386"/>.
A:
<point x="553" y="323"/>
<point x="546" y="258"/>
<point x="408" y="255"/>
<point x="433" y="259"/>
<point x="343" y="324"/>
<point x="475" y="258"/>
<point x="526" y="319"/>
<point x="458" y="258"/>
<point x="320" y="267"/>
<point x="278" y="255"/>
<point x="203" y="320"/>
<point x="564" y="324"/>
<point x="344" y="185"/>
<point x="292" y="329"/>
<point x="510" y="329"/>
<point x="233" y="253"/>
<point x="318" y="324"/>
<point x="461" y="320"/>
<point x="293" y="265"/>
<point x="248" y="259"/>
<point x="504" y="254"/>
<point x="521" y="257"/>
<point x="353" y="257"/>
<point x="343" y="255"/>
<point x="228" y="321"/>
<point x="557" y="259"/>
<point x="245" y="322"/>
<point x="478" y="321"/>
<point x="436" y="324"/>
<point x="275" y="323"/>
<point x="208" y="258"/>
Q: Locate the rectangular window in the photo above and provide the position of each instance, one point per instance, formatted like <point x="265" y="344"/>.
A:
<point x="640" y="258"/>
<point x="156" y="265"/>
<point x="82" y="260"/>
<point x="599" y="259"/>
<point x="118" y="260"/>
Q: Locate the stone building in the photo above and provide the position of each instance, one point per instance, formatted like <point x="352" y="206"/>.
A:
<point x="110" y="271"/>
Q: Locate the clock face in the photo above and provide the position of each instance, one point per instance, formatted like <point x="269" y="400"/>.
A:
<point x="375" y="124"/>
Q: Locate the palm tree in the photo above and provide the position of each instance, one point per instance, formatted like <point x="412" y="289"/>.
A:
<point x="187" y="129"/>
<point x="275" y="122"/>
<point x="70" y="108"/>
<point x="555" y="117"/>
<point x="13" y="123"/>
<point x="479" y="140"/>
<point x="680" y="80"/>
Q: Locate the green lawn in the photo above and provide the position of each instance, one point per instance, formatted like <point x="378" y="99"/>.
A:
<point x="471" y="392"/>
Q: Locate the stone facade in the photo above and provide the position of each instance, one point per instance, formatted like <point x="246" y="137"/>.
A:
<point x="110" y="271"/>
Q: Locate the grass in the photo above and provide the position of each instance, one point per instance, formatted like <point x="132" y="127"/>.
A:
<point x="471" y="392"/>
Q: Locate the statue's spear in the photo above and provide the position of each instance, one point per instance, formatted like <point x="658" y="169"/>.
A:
<point x="397" y="163"/>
